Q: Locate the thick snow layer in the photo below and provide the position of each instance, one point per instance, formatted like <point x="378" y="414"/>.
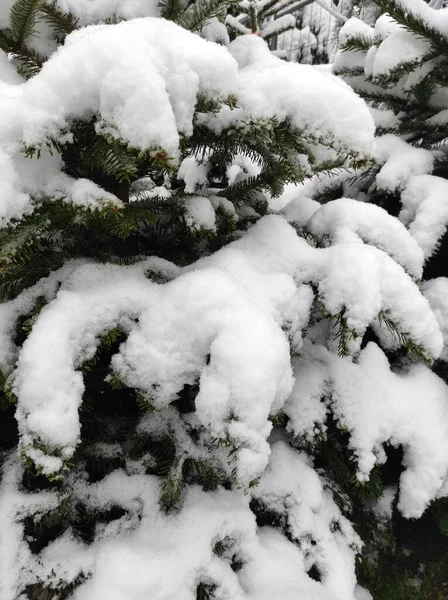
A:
<point x="436" y="19"/>
<point x="342" y="218"/>
<point x="23" y="305"/>
<point x="199" y="213"/>
<point x="399" y="162"/>
<point x="355" y="28"/>
<point x="385" y="26"/>
<point x="291" y="487"/>
<point x="378" y="406"/>
<point x="425" y="210"/>
<point x="401" y="46"/>
<point x="93" y="11"/>
<point x="215" y="31"/>
<point x="165" y="68"/>
<point x="436" y="292"/>
<point x="300" y="209"/>
<point x="193" y="172"/>
<point x="362" y="594"/>
<point x="384" y="119"/>
<point x="147" y="553"/>
<point x="15" y="555"/>
<point x="274" y="88"/>
<point x="145" y="94"/>
<point x="230" y="307"/>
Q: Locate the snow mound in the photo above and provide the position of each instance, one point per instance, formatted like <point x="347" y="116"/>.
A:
<point x="425" y="210"/>
<point x="377" y="405"/>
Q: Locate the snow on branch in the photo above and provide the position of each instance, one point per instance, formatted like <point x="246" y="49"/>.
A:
<point x="238" y="299"/>
<point x="143" y="94"/>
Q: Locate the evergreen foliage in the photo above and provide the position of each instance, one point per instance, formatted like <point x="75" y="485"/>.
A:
<point x="408" y="99"/>
<point x="133" y="435"/>
<point x="259" y="17"/>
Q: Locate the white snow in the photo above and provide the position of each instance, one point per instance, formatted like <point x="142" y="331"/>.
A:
<point x="344" y="217"/>
<point x="425" y="210"/>
<point x="200" y="213"/>
<point x="146" y="92"/>
<point x="215" y="31"/>
<point x="238" y="300"/>
<point x="355" y="28"/>
<point x="276" y="88"/>
<point x="436" y="292"/>
<point x="93" y="11"/>
<point x="399" y="162"/>
<point x="278" y="25"/>
<point x="377" y="405"/>
<point x="242" y="323"/>
<point x="400" y="46"/>
<point x="193" y="172"/>
<point x="291" y="487"/>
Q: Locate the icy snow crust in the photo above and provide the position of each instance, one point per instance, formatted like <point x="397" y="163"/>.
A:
<point x="145" y="94"/>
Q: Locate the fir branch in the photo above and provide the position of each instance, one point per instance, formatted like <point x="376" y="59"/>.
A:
<point x="414" y="23"/>
<point x="104" y="344"/>
<point x="344" y="334"/>
<point x="23" y="17"/>
<point x="247" y="190"/>
<point x="380" y="97"/>
<point x="61" y="23"/>
<point x="172" y="486"/>
<point x="416" y="350"/>
<point x="222" y="546"/>
<point x="198" y="13"/>
<point x="405" y="67"/>
<point x="29" y="62"/>
<point x="112" y="157"/>
<point x="145" y="401"/>
<point x="350" y="72"/>
<point x="205" y="591"/>
<point x="358" y="43"/>
<point x="6" y="386"/>
<point x="170" y="9"/>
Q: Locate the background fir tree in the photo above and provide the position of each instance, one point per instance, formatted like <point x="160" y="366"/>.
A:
<point x="398" y="66"/>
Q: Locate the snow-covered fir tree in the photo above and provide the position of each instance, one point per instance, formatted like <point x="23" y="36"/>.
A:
<point x="398" y="66"/>
<point x="197" y="395"/>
